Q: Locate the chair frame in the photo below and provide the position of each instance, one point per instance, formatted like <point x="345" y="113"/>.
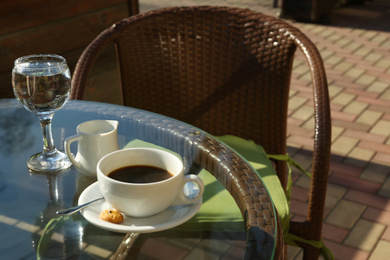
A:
<point x="310" y="228"/>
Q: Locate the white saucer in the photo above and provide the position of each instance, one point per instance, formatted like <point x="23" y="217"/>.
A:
<point x="169" y="218"/>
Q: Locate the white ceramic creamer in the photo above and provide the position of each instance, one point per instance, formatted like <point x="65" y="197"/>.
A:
<point x="96" y="138"/>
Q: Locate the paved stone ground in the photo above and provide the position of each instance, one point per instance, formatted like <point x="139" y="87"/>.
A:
<point x="355" y="46"/>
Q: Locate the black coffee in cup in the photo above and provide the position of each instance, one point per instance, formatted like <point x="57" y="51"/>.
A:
<point x="140" y="174"/>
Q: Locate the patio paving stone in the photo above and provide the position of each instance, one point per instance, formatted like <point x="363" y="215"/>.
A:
<point x="364" y="235"/>
<point x="345" y="214"/>
<point x="381" y="251"/>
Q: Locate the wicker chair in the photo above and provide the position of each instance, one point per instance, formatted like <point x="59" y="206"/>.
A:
<point x="226" y="71"/>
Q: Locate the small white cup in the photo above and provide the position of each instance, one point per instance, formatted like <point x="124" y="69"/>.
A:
<point x="95" y="138"/>
<point x="145" y="199"/>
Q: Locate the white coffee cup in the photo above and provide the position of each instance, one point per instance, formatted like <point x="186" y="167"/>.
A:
<point x="145" y="199"/>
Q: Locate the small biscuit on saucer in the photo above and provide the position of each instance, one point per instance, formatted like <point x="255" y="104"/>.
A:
<point x="111" y="215"/>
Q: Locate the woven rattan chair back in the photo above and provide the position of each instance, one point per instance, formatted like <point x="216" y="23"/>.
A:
<point x="224" y="70"/>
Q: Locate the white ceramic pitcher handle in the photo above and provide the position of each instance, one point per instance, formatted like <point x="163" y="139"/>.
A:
<point x="182" y="199"/>
<point x="67" y="143"/>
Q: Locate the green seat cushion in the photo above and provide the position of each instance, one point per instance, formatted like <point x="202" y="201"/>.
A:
<point x="219" y="210"/>
<point x="257" y="157"/>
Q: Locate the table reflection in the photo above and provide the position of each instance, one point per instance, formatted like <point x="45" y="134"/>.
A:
<point x="14" y="132"/>
<point x="59" y="237"/>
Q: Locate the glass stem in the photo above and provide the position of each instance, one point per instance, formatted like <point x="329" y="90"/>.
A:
<point x="48" y="143"/>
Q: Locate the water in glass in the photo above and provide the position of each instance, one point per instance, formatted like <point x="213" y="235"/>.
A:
<point x="42" y="83"/>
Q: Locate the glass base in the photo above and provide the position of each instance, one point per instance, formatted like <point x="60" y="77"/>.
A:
<point x="48" y="163"/>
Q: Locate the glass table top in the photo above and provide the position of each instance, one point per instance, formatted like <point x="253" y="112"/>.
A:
<point x="30" y="228"/>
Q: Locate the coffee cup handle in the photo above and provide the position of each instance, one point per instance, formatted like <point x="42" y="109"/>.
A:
<point x="182" y="198"/>
<point x="67" y="143"/>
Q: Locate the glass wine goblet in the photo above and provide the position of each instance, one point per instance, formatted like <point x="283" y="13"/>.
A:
<point x="42" y="84"/>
